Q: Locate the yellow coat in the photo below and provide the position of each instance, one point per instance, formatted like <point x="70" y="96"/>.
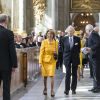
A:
<point x="46" y="58"/>
<point x="81" y="54"/>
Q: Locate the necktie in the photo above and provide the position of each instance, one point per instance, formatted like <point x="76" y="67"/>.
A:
<point x="71" y="42"/>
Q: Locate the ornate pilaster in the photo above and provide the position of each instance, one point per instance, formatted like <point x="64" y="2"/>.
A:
<point x="29" y="16"/>
<point x="63" y="14"/>
<point x="14" y="15"/>
<point x="22" y="15"/>
<point x="18" y="17"/>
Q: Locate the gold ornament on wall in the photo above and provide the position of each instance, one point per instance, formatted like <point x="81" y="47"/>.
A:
<point x="39" y="7"/>
<point x="85" y="5"/>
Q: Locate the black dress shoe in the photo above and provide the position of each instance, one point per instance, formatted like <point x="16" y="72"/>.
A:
<point x="92" y="89"/>
<point x="96" y="90"/>
<point x="66" y="92"/>
<point x="73" y="92"/>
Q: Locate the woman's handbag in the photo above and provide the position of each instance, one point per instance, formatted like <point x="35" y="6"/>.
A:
<point x="55" y="55"/>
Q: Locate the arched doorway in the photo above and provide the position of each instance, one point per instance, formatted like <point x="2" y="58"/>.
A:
<point x="80" y="20"/>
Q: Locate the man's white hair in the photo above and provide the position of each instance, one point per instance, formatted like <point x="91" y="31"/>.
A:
<point x="89" y="27"/>
<point x="3" y="18"/>
<point x="70" y="27"/>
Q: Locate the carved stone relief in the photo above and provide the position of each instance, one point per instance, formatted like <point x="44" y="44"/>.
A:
<point x="85" y="5"/>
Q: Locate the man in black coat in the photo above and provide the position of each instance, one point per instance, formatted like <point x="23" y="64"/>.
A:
<point x="94" y="56"/>
<point x="71" y="50"/>
<point x="8" y="59"/>
<point x="60" y="54"/>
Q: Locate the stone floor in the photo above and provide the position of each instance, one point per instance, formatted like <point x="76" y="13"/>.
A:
<point x="35" y="88"/>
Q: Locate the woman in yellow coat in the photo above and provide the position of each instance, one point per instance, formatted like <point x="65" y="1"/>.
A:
<point x="46" y="59"/>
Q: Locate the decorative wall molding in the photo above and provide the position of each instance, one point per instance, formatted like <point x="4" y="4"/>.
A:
<point x="39" y="7"/>
<point x="84" y="5"/>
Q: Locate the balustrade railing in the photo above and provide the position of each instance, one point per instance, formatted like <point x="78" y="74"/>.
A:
<point x="28" y="67"/>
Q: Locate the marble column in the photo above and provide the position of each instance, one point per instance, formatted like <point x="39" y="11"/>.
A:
<point x="12" y="14"/>
<point x="63" y="14"/>
<point x="53" y="14"/>
<point x="22" y="18"/>
<point x="29" y="16"/>
<point x="66" y="13"/>
<point x="56" y="14"/>
<point x="21" y="15"/>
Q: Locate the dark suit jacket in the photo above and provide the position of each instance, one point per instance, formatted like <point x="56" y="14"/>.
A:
<point x="71" y="54"/>
<point x="60" y="44"/>
<point x="94" y="44"/>
<point x="8" y="57"/>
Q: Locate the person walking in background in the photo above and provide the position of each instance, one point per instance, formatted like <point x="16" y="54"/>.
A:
<point x="60" y="54"/>
<point x="47" y="60"/>
<point x="94" y="56"/>
<point x="83" y="57"/>
<point x="71" y="49"/>
<point x="39" y="39"/>
<point x="8" y="59"/>
<point x="88" y="60"/>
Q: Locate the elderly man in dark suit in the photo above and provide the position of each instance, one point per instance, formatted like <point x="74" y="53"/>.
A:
<point x="94" y="56"/>
<point x="71" y="49"/>
<point x="8" y="59"/>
